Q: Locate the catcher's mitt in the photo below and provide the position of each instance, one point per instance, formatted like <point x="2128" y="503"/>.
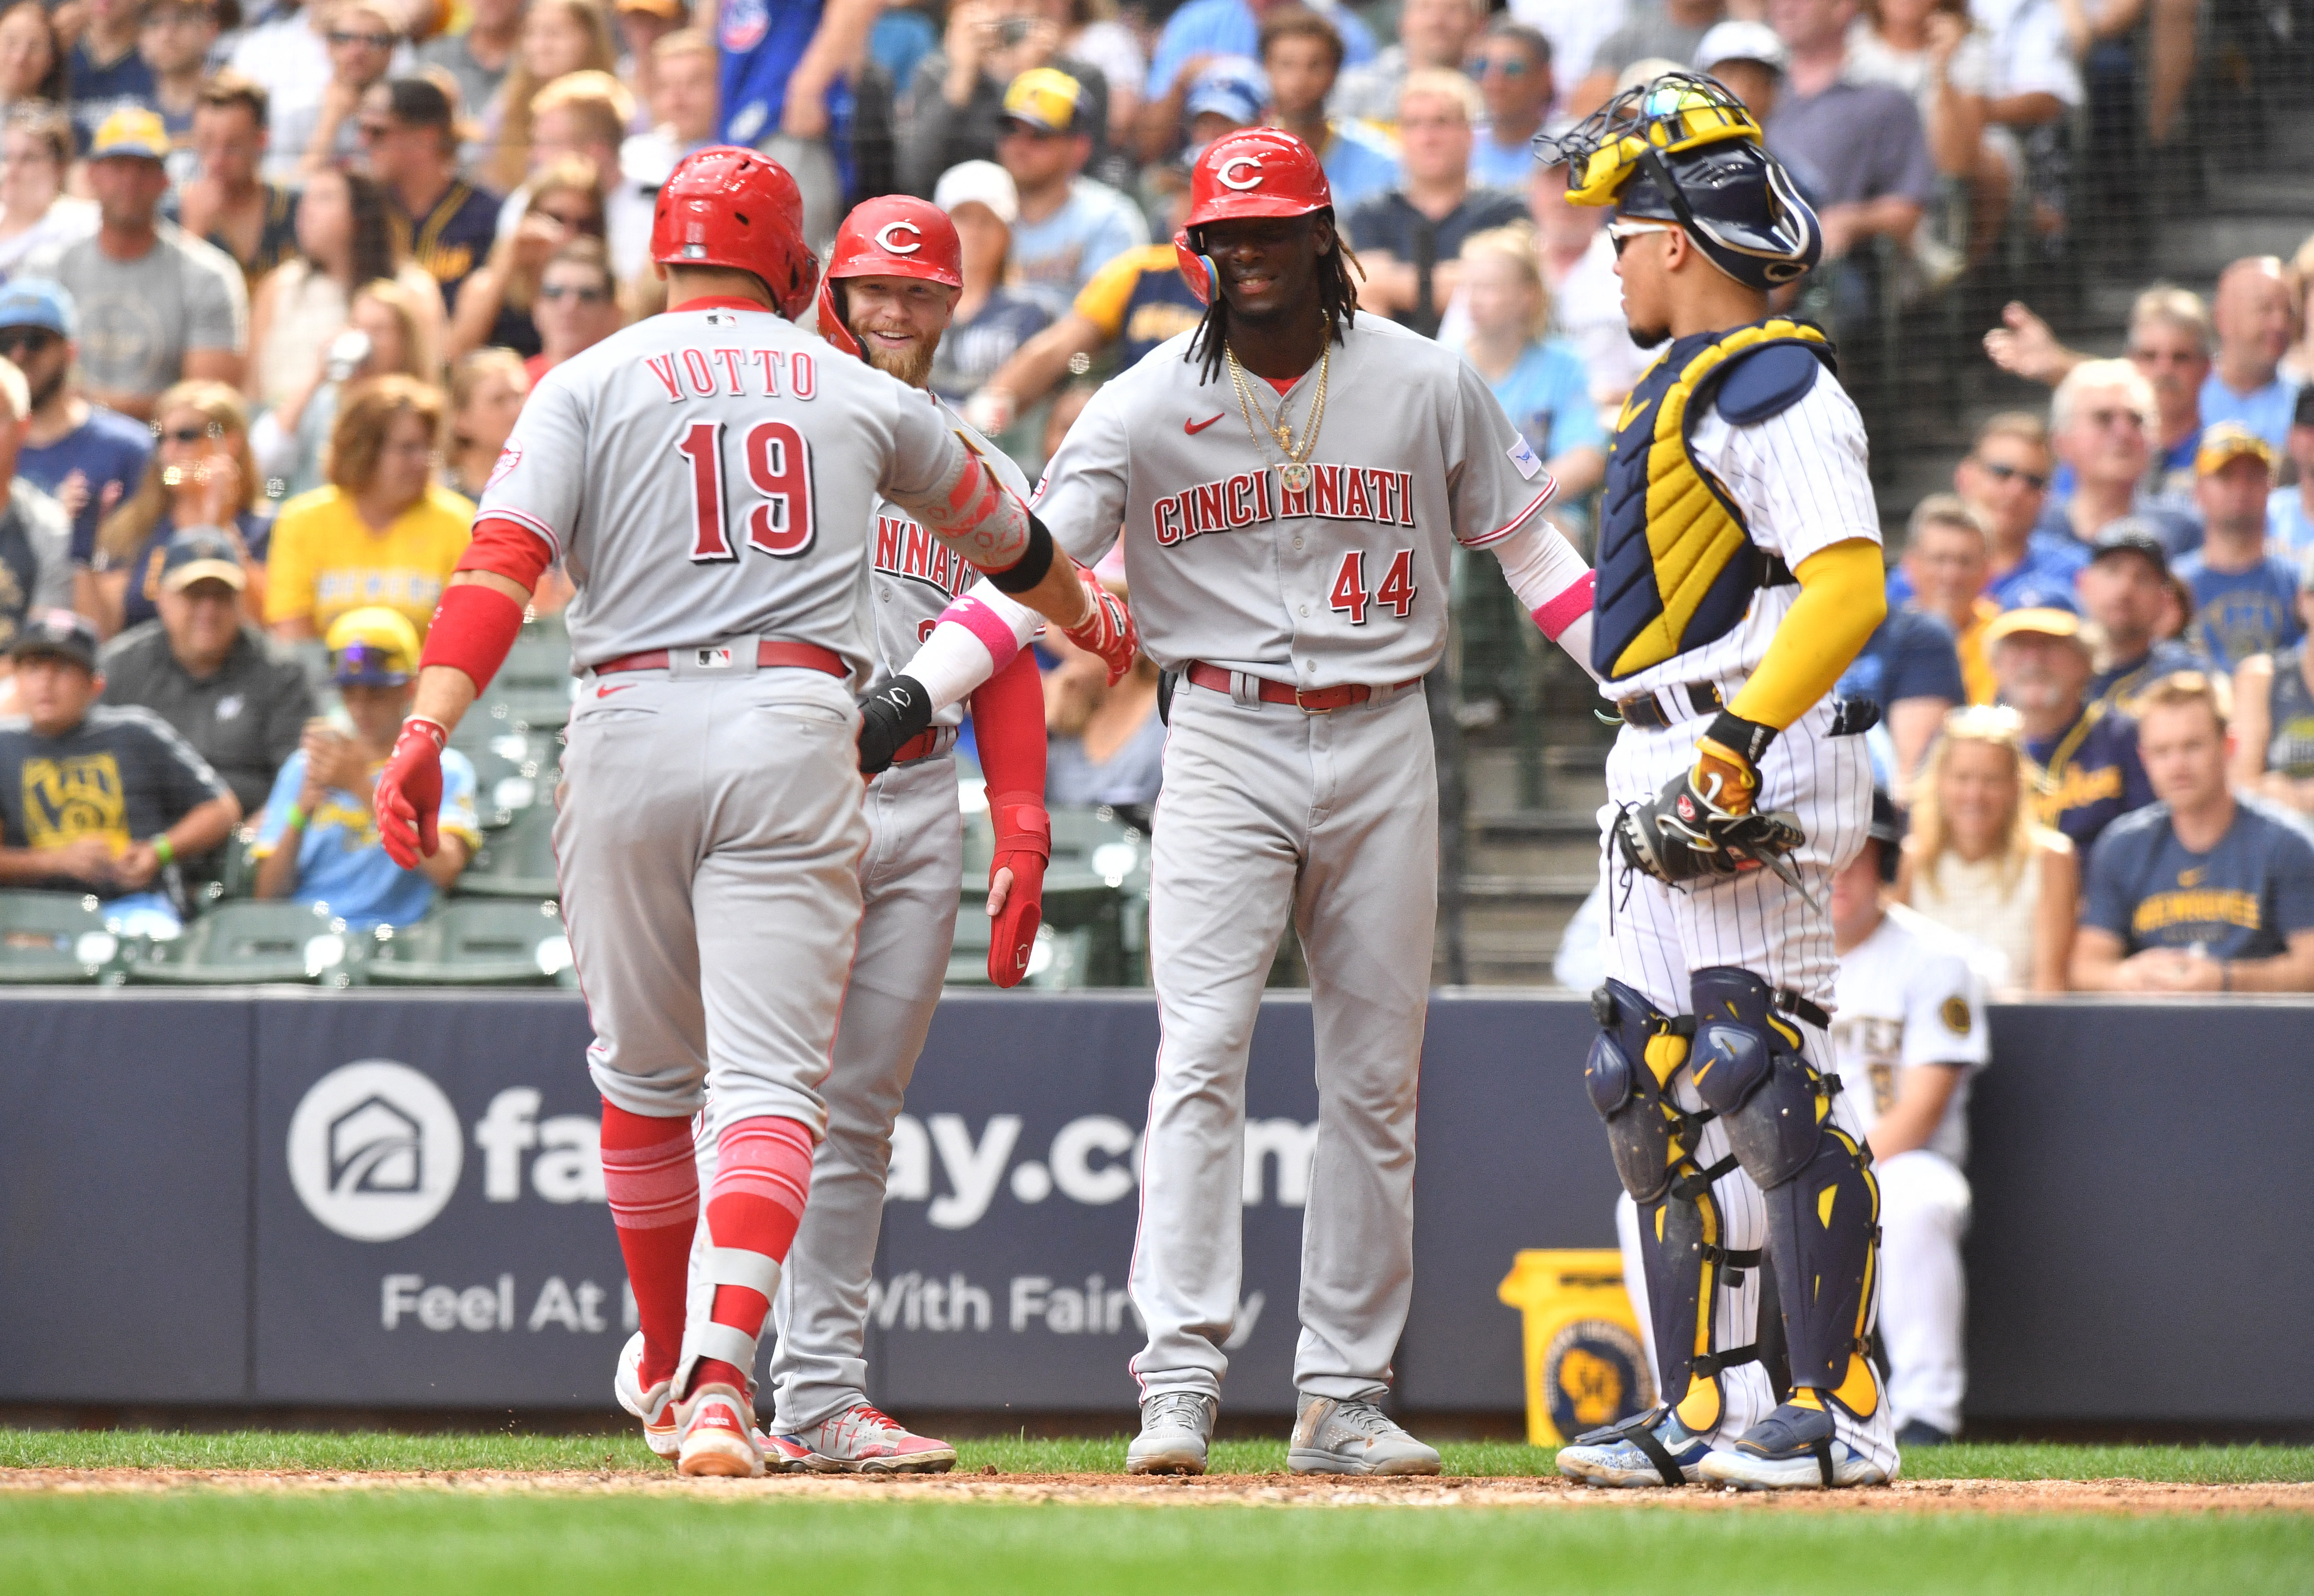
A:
<point x="1679" y="836"/>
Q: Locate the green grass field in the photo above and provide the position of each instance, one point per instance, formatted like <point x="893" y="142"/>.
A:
<point x="409" y="1541"/>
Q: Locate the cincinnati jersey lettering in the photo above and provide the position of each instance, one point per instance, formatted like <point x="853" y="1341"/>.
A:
<point x="1249" y="498"/>
<point x="906" y="550"/>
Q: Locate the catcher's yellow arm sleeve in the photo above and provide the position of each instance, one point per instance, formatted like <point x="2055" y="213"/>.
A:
<point x="1843" y="598"/>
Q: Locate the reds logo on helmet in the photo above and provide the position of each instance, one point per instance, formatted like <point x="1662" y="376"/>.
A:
<point x="894" y="235"/>
<point x="1255" y="172"/>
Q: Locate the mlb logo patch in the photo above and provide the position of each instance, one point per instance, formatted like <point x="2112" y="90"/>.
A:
<point x="714" y="660"/>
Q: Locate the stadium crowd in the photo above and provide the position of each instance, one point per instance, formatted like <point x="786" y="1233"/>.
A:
<point x="275" y="283"/>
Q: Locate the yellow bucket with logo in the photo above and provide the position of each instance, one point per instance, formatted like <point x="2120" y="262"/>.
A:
<point x="1586" y="1365"/>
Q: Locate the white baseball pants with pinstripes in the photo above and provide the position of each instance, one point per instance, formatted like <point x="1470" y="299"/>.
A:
<point x="1658" y="936"/>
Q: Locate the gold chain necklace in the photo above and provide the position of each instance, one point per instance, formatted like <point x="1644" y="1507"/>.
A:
<point x="1294" y="473"/>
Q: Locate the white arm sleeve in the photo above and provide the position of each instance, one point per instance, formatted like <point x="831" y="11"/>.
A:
<point x="976" y="637"/>
<point x="1553" y="582"/>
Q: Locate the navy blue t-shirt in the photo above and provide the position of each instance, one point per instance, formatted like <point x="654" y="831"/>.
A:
<point x="2116" y="684"/>
<point x="2242" y="899"/>
<point x="2239" y="613"/>
<point x="109" y="448"/>
<point x="1910" y="655"/>
<point x="2090" y="775"/>
<point x="97" y="92"/>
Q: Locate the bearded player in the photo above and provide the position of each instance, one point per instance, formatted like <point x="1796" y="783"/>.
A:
<point x="893" y="278"/>
<point x="1739" y="572"/>
<point x="707" y="476"/>
<point x="1290" y="481"/>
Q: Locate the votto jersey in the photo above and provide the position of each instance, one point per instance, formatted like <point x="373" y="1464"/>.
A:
<point x="711" y="474"/>
<point x="1331" y="572"/>
<point x="917" y="575"/>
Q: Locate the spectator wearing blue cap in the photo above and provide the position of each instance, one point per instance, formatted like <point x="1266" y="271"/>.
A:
<point x="36" y="570"/>
<point x="95" y="797"/>
<point x="210" y="673"/>
<point x="85" y="457"/>
<point x="318" y="841"/>
<point x="2125" y="590"/>
<point x="1227" y="95"/>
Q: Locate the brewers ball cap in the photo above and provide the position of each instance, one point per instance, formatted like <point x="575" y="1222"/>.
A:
<point x="2045" y="621"/>
<point x="2229" y="441"/>
<point x="372" y="648"/>
<point x="201" y="554"/>
<point x="1736" y="39"/>
<point x="2131" y="534"/>
<point x="132" y="130"/>
<point x="979" y="183"/>
<point x="60" y="633"/>
<point x="1044" y="98"/>
<point x="36" y="302"/>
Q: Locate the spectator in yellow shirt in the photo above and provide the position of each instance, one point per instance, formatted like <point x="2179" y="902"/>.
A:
<point x="382" y="533"/>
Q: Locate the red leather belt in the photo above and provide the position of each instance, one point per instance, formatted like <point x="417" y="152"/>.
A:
<point x="1309" y="700"/>
<point x="922" y="746"/>
<point x="769" y="656"/>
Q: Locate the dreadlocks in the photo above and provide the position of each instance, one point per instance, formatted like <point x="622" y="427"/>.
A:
<point x="1338" y="297"/>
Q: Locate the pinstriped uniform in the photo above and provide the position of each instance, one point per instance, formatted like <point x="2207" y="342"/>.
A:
<point x="1800" y="479"/>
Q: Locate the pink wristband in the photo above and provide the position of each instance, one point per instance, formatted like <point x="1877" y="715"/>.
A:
<point x="994" y="632"/>
<point x="1572" y="603"/>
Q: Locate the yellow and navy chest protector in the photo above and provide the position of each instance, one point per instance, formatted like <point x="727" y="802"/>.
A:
<point x="1676" y="565"/>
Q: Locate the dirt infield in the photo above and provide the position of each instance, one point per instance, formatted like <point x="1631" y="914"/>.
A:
<point x="2120" y="1497"/>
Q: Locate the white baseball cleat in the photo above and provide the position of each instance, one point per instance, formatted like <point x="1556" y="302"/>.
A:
<point x="1333" y="1436"/>
<point x="1793" y="1448"/>
<point x="655" y="1406"/>
<point x="1175" y="1428"/>
<point x="718" y="1440"/>
<point x="864" y="1440"/>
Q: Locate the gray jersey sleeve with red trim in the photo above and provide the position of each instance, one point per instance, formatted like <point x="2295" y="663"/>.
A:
<point x="1497" y="484"/>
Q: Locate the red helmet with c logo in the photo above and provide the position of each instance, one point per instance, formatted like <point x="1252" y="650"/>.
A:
<point x="896" y="235"/>
<point x="1255" y="172"/>
<point x="724" y="205"/>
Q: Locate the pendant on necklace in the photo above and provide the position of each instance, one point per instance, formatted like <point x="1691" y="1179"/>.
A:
<point x="1285" y="437"/>
<point x="1295" y="476"/>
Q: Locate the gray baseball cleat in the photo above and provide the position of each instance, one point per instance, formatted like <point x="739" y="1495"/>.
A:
<point x="1331" y="1436"/>
<point x="1793" y="1448"/>
<point x="1175" y="1427"/>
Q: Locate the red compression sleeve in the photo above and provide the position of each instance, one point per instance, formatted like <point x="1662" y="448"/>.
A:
<point x="1007" y="724"/>
<point x="473" y="627"/>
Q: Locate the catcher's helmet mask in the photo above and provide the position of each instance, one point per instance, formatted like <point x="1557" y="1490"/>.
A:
<point x="1681" y="141"/>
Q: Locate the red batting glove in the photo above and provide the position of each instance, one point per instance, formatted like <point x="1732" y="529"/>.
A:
<point x="409" y="800"/>
<point x="1109" y="633"/>
<point x="1024" y="842"/>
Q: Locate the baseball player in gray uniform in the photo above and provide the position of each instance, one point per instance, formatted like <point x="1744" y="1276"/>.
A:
<point x="893" y="276"/>
<point x="707" y="477"/>
<point x="1294" y="558"/>
<point x="1739" y="571"/>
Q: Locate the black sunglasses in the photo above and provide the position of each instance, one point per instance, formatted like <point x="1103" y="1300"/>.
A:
<point x="571" y="290"/>
<point x="31" y="340"/>
<point x="2013" y="473"/>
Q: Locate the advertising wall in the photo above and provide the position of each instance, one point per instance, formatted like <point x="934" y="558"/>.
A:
<point x="351" y="1199"/>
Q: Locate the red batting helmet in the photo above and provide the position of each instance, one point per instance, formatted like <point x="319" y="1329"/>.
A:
<point x="1255" y="172"/>
<point x="893" y="237"/>
<point x="724" y="205"/>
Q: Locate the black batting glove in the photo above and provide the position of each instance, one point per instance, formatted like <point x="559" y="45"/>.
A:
<point x="889" y="716"/>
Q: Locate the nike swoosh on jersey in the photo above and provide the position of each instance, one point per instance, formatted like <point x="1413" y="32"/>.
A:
<point x="621" y="687"/>
<point x="1195" y="427"/>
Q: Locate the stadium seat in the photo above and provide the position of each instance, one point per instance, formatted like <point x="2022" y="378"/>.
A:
<point x="250" y="942"/>
<point x="54" y="938"/>
<point x="516" y="860"/>
<point x="474" y="942"/>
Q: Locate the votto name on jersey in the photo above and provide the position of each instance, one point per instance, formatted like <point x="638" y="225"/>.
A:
<point x="1248" y="498"/>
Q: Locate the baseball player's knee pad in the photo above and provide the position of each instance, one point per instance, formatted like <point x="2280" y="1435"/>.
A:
<point x="1628" y="1076"/>
<point x="1824" y="1234"/>
<point x="1751" y="1072"/>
